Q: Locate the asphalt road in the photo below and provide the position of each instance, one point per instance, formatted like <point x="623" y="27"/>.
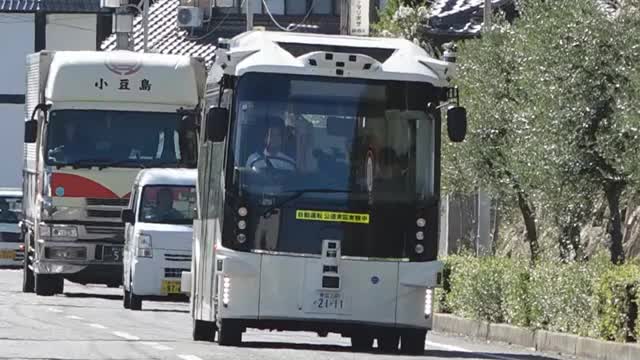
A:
<point x="88" y="322"/>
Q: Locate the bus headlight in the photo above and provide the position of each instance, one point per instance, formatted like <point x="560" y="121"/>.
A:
<point x="242" y="211"/>
<point x="242" y="238"/>
<point x="419" y="249"/>
<point x="242" y="224"/>
<point x="421" y="222"/>
<point x="145" y="246"/>
<point x="420" y="235"/>
<point x="427" y="302"/>
<point x="226" y="290"/>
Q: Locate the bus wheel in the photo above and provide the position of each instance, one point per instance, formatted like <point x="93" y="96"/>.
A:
<point x="28" y="281"/>
<point x="229" y="333"/>
<point x="362" y="342"/>
<point x="412" y="342"/>
<point x="388" y="343"/>
<point x="204" y="330"/>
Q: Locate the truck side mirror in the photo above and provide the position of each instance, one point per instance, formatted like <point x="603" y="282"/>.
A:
<point x="457" y="123"/>
<point x="30" y="131"/>
<point x="128" y="216"/>
<point x="217" y="123"/>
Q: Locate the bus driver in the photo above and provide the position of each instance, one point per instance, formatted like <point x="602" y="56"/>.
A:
<point x="272" y="157"/>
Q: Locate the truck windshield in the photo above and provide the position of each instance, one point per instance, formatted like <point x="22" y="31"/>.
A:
<point x="117" y="138"/>
<point x="331" y="158"/>
<point x="168" y="204"/>
<point x="347" y="135"/>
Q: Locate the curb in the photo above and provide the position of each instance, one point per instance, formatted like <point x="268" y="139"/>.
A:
<point x="541" y="340"/>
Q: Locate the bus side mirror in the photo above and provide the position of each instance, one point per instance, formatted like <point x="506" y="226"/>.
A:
<point x="217" y="122"/>
<point x="128" y="216"/>
<point x="457" y="123"/>
<point x="30" y="131"/>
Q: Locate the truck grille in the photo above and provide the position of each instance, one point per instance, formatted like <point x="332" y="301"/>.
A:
<point x="104" y="230"/>
<point x="173" y="272"/>
<point x="103" y="213"/>
<point x="107" y="202"/>
<point x="177" y="257"/>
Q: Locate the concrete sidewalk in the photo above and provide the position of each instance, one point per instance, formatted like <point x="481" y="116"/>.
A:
<point x="541" y="340"/>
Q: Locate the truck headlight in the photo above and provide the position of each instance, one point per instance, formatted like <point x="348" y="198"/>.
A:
<point x="145" y="247"/>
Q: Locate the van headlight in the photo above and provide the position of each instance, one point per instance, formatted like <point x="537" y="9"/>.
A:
<point x="145" y="247"/>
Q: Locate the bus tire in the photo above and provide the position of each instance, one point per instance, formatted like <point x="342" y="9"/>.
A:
<point x="204" y="330"/>
<point x="412" y="342"/>
<point x="389" y="343"/>
<point x="28" y="280"/>
<point x="362" y="342"/>
<point x="229" y="333"/>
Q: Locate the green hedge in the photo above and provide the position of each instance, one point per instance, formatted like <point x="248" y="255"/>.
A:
<point x="588" y="298"/>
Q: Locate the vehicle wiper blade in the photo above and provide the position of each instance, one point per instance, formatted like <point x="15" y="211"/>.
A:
<point x="297" y="193"/>
<point x="84" y="163"/>
<point x="122" y="162"/>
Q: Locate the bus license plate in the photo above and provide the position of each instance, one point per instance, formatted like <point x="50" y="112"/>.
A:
<point x="8" y="254"/>
<point x="328" y="302"/>
<point x="170" y="287"/>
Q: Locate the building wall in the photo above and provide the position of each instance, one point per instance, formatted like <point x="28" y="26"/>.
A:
<point x="16" y="42"/>
<point x="71" y="32"/>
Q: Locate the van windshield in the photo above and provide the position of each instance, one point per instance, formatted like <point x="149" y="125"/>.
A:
<point x="168" y="204"/>
<point x="10" y="209"/>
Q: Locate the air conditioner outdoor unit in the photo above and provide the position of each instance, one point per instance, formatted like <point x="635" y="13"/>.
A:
<point x="189" y="16"/>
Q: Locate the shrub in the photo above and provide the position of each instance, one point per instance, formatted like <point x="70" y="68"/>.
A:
<point x="618" y="292"/>
<point x="516" y="306"/>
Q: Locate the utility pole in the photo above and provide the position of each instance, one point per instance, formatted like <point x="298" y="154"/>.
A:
<point x="487" y="15"/>
<point x="249" y="11"/>
<point x="345" y="13"/>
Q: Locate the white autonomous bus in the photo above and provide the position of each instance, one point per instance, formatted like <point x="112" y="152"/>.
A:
<point x="158" y="234"/>
<point x="318" y="189"/>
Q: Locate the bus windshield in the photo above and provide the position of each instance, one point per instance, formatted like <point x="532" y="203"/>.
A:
<point x="331" y="158"/>
<point x="117" y="138"/>
<point x="303" y="133"/>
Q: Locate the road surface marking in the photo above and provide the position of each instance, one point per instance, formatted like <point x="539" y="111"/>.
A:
<point x="189" y="357"/>
<point x="157" y="346"/>
<point x="460" y="349"/>
<point x="74" y="317"/>
<point x="97" y="326"/>
<point x="124" y="335"/>
<point x="54" y="310"/>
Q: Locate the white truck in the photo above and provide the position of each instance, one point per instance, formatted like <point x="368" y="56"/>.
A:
<point x="93" y="120"/>
<point x="318" y="189"/>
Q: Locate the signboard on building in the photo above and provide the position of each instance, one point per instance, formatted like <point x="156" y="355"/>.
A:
<point x="359" y="18"/>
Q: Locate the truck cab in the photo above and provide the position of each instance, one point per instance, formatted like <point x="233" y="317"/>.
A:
<point x="158" y="234"/>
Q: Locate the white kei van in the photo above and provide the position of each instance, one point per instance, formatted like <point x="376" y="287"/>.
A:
<point x="158" y="234"/>
<point x="11" y="253"/>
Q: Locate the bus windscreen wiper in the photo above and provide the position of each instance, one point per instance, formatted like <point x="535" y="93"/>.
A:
<point x="297" y="193"/>
<point x="88" y="163"/>
<point x="122" y="162"/>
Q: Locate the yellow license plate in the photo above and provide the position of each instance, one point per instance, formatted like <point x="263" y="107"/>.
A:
<point x="8" y="254"/>
<point x="170" y="287"/>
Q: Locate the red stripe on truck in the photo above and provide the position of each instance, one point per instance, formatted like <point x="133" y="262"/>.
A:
<point x="78" y="186"/>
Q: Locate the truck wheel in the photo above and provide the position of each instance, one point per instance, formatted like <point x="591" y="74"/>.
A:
<point x="229" y="333"/>
<point x="126" y="300"/>
<point x="204" y="330"/>
<point x="28" y="281"/>
<point x="44" y="285"/>
<point x="412" y="342"/>
<point x="57" y="282"/>
<point x="388" y="343"/>
<point x="362" y="342"/>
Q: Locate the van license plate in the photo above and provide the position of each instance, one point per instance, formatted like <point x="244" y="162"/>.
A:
<point x="170" y="287"/>
<point x="8" y="254"/>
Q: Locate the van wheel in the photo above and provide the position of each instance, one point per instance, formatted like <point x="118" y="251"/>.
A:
<point x="412" y="342"/>
<point x="135" y="301"/>
<point x="46" y="285"/>
<point x="28" y="280"/>
<point x="204" y="330"/>
<point x="362" y="342"/>
<point x="126" y="300"/>
<point x="229" y="333"/>
<point x="388" y="343"/>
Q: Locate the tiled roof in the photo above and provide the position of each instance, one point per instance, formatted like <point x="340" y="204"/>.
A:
<point x="59" y="6"/>
<point x="164" y="35"/>
<point x="460" y="18"/>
